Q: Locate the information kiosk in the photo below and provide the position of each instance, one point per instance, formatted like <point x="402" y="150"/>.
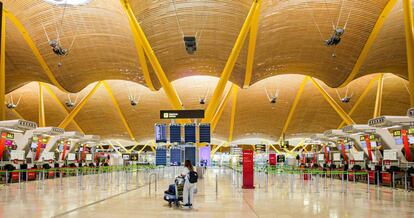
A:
<point x="12" y="130"/>
<point x="396" y="128"/>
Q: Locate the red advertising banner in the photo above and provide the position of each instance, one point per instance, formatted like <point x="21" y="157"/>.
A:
<point x="406" y="145"/>
<point x="326" y="154"/>
<point x="83" y="152"/>
<point x="343" y="150"/>
<point x="39" y="146"/>
<point x="248" y="169"/>
<point x="368" y="142"/>
<point x="272" y="159"/>
<point x="2" y="144"/>
<point x="65" y="144"/>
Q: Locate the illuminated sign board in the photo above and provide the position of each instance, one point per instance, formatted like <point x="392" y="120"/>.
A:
<point x="397" y="133"/>
<point x="181" y="114"/>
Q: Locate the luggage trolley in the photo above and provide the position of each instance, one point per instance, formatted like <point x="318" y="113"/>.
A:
<point x="174" y="194"/>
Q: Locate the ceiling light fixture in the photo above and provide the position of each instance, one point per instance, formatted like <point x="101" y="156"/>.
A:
<point x="68" y="2"/>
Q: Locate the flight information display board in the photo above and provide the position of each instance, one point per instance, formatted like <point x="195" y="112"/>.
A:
<point x="190" y="154"/>
<point x="205" y="133"/>
<point x="160" y="157"/>
<point x="175" y="133"/>
<point x="190" y="133"/>
<point x="175" y="157"/>
<point x="160" y="133"/>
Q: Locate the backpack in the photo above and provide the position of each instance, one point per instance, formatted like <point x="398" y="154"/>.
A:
<point x="192" y="177"/>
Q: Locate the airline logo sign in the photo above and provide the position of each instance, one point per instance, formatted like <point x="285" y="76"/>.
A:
<point x="181" y="114"/>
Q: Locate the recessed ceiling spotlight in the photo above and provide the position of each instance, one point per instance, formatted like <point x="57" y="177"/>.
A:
<point x="68" y="2"/>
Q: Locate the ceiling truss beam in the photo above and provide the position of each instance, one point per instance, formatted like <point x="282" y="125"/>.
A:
<point x="233" y="112"/>
<point x="378" y="99"/>
<point x="168" y="88"/>
<point x="56" y="99"/>
<point x="348" y="120"/>
<point x="42" y="120"/>
<point x="409" y="40"/>
<point x="220" y="110"/>
<point x="252" y="46"/>
<point x="294" y="105"/>
<point x="34" y="49"/>
<point x="78" y="107"/>
<point x="2" y="62"/>
<point x="228" y="68"/>
<point x="361" y="98"/>
<point x="371" y="39"/>
<point x="118" y="109"/>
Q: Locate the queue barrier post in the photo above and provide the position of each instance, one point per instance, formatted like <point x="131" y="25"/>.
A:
<point x="19" y="179"/>
<point x="154" y="174"/>
<point x="7" y="177"/>
<point x="317" y="182"/>
<point x="393" y="179"/>
<point x="368" y="182"/>
<point x="405" y="180"/>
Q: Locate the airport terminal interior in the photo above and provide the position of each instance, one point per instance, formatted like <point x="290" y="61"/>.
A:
<point x="206" y="108"/>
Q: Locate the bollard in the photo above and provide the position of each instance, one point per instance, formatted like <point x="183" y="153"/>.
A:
<point x="405" y="181"/>
<point x="302" y="181"/>
<point x="61" y="181"/>
<point x="19" y="181"/>
<point x="347" y="179"/>
<point x="149" y="181"/>
<point x="267" y="182"/>
<point x="216" y="184"/>
<point x="317" y="183"/>
<point x="378" y="180"/>
<point x="43" y="179"/>
<point x="137" y="179"/>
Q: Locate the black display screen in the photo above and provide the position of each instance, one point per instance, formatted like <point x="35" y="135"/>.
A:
<point x="175" y="133"/>
<point x="190" y="154"/>
<point x="205" y="133"/>
<point x="190" y="133"/>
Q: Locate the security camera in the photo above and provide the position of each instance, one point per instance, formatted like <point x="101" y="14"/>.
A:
<point x="273" y="100"/>
<point x="202" y="101"/>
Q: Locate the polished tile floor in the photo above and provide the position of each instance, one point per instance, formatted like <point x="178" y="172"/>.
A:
<point x="286" y="197"/>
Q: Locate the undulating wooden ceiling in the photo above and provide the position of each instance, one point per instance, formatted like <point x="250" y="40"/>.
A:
<point x="255" y="116"/>
<point x="289" y="45"/>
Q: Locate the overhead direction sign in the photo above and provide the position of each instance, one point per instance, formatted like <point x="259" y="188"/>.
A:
<point x="181" y="114"/>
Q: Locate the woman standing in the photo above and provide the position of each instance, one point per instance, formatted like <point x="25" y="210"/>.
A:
<point x="190" y="181"/>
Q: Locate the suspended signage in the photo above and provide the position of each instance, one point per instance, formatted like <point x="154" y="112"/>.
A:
<point x="411" y="131"/>
<point x="397" y="133"/>
<point x="126" y="157"/>
<point x="134" y="157"/>
<point x="181" y="114"/>
<point x="260" y="148"/>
